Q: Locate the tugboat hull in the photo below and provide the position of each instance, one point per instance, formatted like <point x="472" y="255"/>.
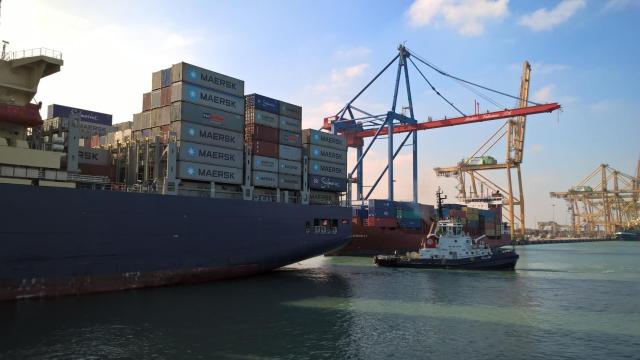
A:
<point x="498" y="261"/>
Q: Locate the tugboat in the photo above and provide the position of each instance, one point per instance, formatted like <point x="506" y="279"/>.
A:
<point x="450" y="248"/>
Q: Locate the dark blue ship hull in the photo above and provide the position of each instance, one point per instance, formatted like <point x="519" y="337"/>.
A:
<point x="72" y="241"/>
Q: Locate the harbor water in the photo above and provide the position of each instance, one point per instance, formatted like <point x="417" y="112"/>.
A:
<point x="564" y="301"/>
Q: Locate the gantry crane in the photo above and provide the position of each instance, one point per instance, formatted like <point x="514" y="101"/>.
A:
<point x="366" y="125"/>
<point x="605" y="201"/>
<point x="481" y="188"/>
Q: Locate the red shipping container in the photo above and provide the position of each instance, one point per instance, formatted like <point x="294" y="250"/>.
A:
<point x="165" y="96"/>
<point x="383" y="222"/>
<point x="97" y="170"/>
<point x="260" y="132"/>
<point x="146" y="101"/>
<point x="264" y="148"/>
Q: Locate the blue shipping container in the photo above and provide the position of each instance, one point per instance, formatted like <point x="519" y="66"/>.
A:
<point x="382" y="208"/>
<point x="410" y="223"/>
<point x="55" y="110"/>
<point x="318" y="182"/>
<point x="263" y="103"/>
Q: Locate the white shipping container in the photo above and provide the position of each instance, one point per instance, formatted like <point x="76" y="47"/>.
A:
<point x="264" y="179"/>
<point x="214" y="155"/>
<point x="208" y="135"/>
<point x="207" y="78"/>
<point x="264" y="163"/>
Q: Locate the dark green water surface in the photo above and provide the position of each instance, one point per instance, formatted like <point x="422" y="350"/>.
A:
<point x="564" y="301"/>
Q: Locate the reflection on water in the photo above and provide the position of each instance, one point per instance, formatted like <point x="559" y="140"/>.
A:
<point x="559" y="303"/>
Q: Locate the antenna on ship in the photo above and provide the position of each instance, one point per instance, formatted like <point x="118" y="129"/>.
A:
<point x="440" y="198"/>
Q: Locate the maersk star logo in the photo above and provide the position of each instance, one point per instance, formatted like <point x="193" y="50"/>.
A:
<point x="192" y="93"/>
<point x="191" y="171"/>
<point x="316" y="152"/>
<point x="192" y="151"/>
<point x="316" y="136"/>
<point x="193" y="74"/>
<point x="192" y="132"/>
<point x="315" y="167"/>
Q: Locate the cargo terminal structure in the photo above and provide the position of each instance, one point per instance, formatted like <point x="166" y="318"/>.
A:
<point x="182" y="193"/>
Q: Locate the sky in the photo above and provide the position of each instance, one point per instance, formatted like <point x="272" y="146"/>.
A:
<point x="319" y="54"/>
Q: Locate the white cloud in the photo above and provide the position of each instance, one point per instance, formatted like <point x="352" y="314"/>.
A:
<point x="544" y="94"/>
<point x="107" y="62"/>
<point x="543" y="19"/>
<point x="615" y="5"/>
<point x="542" y="68"/>
<point x="466" y="16"/>
<point x="341" y="78"/>
<point x="352" y="53"/>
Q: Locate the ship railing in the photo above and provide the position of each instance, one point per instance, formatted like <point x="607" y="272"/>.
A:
<point x="320" y="229"/>
<point x="21" y="54"/>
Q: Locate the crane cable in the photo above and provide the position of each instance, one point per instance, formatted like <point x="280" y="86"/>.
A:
<point x="434" y="89"/>
<point x="465" y="81"/>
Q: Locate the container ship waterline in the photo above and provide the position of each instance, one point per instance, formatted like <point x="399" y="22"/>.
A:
<point x="204" y="183"/>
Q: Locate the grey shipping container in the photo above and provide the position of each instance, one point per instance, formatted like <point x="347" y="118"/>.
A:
<point x="204" y="172"/>
<point x="289" y="182"/>
<point x="160" y="116"/>
<point x="206" y="97"/>
<point x="213" y="155"/>
<point x="208" y="135"/>
<point x="290" y="167"/>
<point x="207" y="78"/>
<point x="155" y="99"/>
<point x="260" y="117"/>
<point x="323" y="198"/>
<point x="327" y="169"/>
<point x="184" y="111"/>
<point x="290" y="138"/>
<point x="290" y="124"/>
<point x="290" y="110"/>
<point x="264" y="179"/>
<point x="156" y="80"/>
<point x="323" y="153"/>
<point x="327" y="183"/>
<point x="289" y="152"/>
<point x="263" y="163"/>
<point x="315" y="137"/>
<point x="93" y="156"/>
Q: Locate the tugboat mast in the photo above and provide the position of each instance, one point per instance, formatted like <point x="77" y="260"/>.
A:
<point x="439" y="199"/>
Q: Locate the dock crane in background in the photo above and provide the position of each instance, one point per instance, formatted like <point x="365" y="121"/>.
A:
<point x="357" y="124"/>
<point x="604" y="202"/>
<point x="481" y="188"/>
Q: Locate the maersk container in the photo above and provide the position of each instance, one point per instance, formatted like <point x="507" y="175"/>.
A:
<point x="203" y="115"/>
<point x="207" y="135"/>
<point x="165" y="96"/>
<point x="290" y="138"/>
<point x="289" y="182"/>
<point x="212" y="173"/>
<point x="213" y="155"/>
<point x="323" y="153"/>
<point x="263" y="103"/>
<point x="160" y="116"/>
<point x="94" y="156"/>
<point x="327" y="169"/>
<point x="260" y="132"/>
<point x="290" y="124"/>
<point x="207" y="79"/>
<point x="290" y="110"/>
<point x="206" y="97"/>
<point x="55" y="110"/>
<point x="316" y="137"/>
<point x="264" y="179"/>
<point x="264" y="148"/>
<point x="261" y="117"/>
<point x="290" y="167"/>
<point x="263" y="163"/>
<point x="327" y="183"/>
<point x="289" y="152"/>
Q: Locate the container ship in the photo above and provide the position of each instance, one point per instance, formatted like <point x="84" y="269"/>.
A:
<point x="386" y="227"/>
<point x="204" y="183"/>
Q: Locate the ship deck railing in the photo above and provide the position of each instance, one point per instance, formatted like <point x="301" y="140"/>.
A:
<point x="21" y="54"/>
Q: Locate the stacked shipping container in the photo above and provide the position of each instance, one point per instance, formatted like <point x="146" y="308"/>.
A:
<point x="273" y="127"/>
<point x="205" y="110"/>
<point x="327" y="154"/>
